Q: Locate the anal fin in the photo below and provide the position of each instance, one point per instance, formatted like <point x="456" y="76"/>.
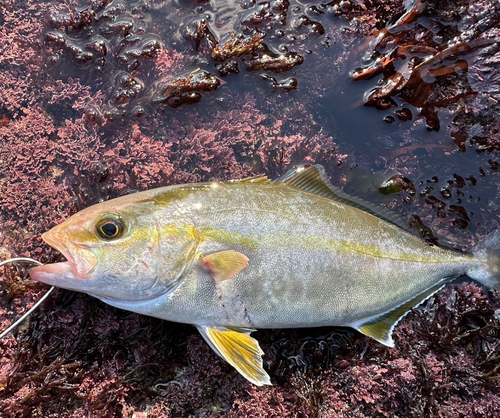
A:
<point x="380" y="327"/>
<point x="240" y="350"/>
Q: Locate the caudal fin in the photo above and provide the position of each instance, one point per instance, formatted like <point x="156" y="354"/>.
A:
<point x="488" y="251"/>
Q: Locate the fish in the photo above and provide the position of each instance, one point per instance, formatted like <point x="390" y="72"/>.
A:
<point x="237" y="256"/>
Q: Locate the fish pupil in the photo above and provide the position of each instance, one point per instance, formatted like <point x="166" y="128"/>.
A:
<point x="109" y="229"/>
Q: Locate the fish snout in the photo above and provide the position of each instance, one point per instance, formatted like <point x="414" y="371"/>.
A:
<point x="80" y="258"/>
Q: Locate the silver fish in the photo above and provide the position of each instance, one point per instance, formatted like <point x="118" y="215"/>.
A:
<point x="236" y="256"/>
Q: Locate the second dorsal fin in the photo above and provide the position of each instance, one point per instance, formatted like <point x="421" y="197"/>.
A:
<point x="313" y="179"/>
<point x="261" y="178"/>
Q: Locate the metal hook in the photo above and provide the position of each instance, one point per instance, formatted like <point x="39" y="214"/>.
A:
<point x="36" y="305"/>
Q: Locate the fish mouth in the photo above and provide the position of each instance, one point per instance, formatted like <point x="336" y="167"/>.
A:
<point x="80" y="263"/>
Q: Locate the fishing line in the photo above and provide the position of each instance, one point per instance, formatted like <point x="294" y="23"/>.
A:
<point x="36" y="305"/>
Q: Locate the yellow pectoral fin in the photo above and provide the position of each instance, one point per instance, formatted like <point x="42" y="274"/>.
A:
<point x="240" y="350"/>
<point x="224" y="265"/>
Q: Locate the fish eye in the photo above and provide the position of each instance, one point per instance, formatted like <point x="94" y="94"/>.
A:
<point x="110" y="227"/>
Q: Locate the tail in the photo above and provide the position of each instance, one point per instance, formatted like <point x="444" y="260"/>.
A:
<point x="488" y="251"/>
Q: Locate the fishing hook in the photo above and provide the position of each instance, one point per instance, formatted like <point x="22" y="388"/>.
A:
<point x="36" y="305"/>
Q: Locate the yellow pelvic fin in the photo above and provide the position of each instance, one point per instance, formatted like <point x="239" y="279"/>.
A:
<point x="224" y="265"/>
<point x="240" y="350"/>
<point x="380" y="327"/>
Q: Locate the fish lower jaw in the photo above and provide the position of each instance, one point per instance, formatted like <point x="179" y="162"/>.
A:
<point x="52" y="274"/>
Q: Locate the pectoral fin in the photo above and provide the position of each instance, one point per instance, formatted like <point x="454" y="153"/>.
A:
<point x="240" y="350"/>
<point x="224" y="265"/>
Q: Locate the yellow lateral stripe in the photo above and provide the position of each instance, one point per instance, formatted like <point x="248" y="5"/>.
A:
<point x="321" y="243"/>
<point x="229" y="238"/>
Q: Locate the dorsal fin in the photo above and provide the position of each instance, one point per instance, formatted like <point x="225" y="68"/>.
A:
<point x="255" y="179"/>
<point x="313" y="179"/>
<point x="380" y="327"/>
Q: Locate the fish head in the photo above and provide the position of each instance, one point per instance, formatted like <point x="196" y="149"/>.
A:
<point x="118" y="250"/>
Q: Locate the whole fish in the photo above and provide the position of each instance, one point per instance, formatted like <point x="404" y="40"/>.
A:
<point x="235" y="256"/>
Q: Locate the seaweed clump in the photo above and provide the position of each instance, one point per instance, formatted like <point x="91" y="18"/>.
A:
<point x="186" y="90"/>
<point x="424" y="57"/>
<point x="114" y="363"/>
